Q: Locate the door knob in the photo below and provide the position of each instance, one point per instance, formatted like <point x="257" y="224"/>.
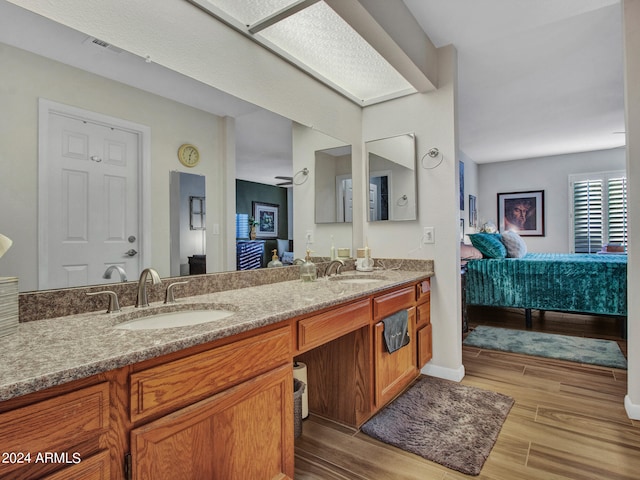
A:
<point x="131" y="252"/>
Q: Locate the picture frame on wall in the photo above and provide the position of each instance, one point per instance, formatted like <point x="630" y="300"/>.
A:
<point x="461" y="185"/>
<point x="266" y="217"/>
<point x="473" y="213"/>
<point x="522" y="212"/>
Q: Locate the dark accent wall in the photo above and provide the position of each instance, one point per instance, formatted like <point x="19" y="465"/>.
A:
<point x="248" y="192"/>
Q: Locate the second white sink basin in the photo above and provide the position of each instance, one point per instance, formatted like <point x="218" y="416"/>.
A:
<point x="181" y="318"/>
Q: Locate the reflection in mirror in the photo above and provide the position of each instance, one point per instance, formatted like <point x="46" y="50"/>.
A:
<point x="392" y="178"/>
<point x="333" y="185"/>
<point x="187" y="224"/>
<point x="70" y="68"/>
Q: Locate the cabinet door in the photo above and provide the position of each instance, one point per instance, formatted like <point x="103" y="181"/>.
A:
<point x="425" y="350"/>
<point x="244" y="432"/>
<point x="394" y="371"/>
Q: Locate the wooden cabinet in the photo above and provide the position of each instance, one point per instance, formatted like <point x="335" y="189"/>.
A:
<point x="327" y="326"/>
<point x="169" y="386"/>
<point x="57" y="434"/>
<point x="221" y="410"/>
<point x="424" y="333"/>
<point x="240" y="427"/>
<point x="243" y="432"/>
<point x="394" y="371"/>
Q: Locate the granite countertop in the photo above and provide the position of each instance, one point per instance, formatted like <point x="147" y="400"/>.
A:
<point x="54" y="351"/>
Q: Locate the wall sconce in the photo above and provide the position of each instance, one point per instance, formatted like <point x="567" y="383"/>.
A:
<point x="432" y="153"/>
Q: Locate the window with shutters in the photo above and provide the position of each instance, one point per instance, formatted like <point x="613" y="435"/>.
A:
<point x="598" y="210"/>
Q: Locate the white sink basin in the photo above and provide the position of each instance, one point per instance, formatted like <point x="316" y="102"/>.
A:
<point x="361" y="279"/>
<point x="180" y="318"/>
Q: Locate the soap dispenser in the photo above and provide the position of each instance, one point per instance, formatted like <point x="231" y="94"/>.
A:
<point x="275" y="262"/>
<point x="308" y="272"/>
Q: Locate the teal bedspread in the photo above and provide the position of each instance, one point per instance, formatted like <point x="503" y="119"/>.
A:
<point x="546" y="281"/>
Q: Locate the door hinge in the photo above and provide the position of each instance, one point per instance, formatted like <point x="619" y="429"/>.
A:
<point x="127" y="467"/>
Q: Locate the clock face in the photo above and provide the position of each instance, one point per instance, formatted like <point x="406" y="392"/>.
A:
<point x="188" y="155"/>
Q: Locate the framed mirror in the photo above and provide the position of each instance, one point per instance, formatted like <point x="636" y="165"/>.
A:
<point x="391" y="165"/>
<point x="333" y="185"/>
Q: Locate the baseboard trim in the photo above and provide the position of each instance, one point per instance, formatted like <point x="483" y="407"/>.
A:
<point x="455" y="375"/>
<point x="633" y="409"/>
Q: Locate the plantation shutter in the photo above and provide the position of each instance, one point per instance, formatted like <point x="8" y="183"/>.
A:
<point x="617" y="210"/>
<point x="587" y="216"/>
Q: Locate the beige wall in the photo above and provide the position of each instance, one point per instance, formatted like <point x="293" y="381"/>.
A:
<point x="431" y="117"/>
<point x="631" y="9"/>
<point x="25" y="77"/>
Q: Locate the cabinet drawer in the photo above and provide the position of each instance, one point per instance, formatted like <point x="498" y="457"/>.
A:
<point x="96" y="467"/>
<point x="55" y="425"/>
<point x="182" y="382"/>
<point x="423" y="291"/>
<point x="327" y="326"/>
<point x="401" y="299"/>
<point x="424" y="315"/>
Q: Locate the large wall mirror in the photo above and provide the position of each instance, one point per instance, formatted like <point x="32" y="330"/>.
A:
<point x="45" y="60"/>
<point x="391" y="164"/>
<point x="333" y="185"/>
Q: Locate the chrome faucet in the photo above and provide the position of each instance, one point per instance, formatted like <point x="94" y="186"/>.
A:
<point x="338" y="263"/>
<point x="142" y="299"/>
<point x="119" y="269"/>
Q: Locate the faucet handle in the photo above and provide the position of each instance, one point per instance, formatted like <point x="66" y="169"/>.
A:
<point x="114" y="306"/>
<point x="169" y="296"/>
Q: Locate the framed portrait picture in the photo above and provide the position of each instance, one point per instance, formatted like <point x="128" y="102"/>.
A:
<point x="522" y="212"/>
<point x="266" y="216"/>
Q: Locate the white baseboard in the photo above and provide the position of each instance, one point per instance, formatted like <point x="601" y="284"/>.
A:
<point x="455" y="375"/>
<point x="633" y="409"/>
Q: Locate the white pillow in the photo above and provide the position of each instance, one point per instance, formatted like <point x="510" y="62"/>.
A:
<point x="516" y="248"/>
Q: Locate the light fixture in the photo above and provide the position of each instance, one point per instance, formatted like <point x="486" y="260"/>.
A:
<point x="312" y="36"/>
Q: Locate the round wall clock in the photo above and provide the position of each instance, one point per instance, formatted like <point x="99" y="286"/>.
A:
<point x="188" y="155"/>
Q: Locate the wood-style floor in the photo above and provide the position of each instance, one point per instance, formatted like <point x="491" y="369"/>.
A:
<point x="568" y="421"/>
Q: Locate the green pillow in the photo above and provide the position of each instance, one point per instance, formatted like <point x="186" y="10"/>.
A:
<point x="489" y="244"/>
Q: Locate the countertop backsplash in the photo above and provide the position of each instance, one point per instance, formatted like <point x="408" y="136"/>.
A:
<point x="40" y="305"/>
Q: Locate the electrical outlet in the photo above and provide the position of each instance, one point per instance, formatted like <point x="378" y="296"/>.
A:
<point x="429" y="235"/>
<point x="309" y="236"/>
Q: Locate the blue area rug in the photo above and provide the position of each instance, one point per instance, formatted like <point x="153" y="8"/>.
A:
<point x="593" y="351"/>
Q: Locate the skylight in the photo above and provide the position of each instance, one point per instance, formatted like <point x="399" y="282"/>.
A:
<point x="311" y="35"/>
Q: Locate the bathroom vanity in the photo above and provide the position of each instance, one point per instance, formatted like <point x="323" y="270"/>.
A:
<point x="210" y="400"/>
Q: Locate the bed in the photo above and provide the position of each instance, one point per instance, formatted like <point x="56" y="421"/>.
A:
<point x="578" y="283"/>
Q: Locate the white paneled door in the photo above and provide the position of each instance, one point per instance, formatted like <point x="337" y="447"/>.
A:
<point x="92" y="207"/>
